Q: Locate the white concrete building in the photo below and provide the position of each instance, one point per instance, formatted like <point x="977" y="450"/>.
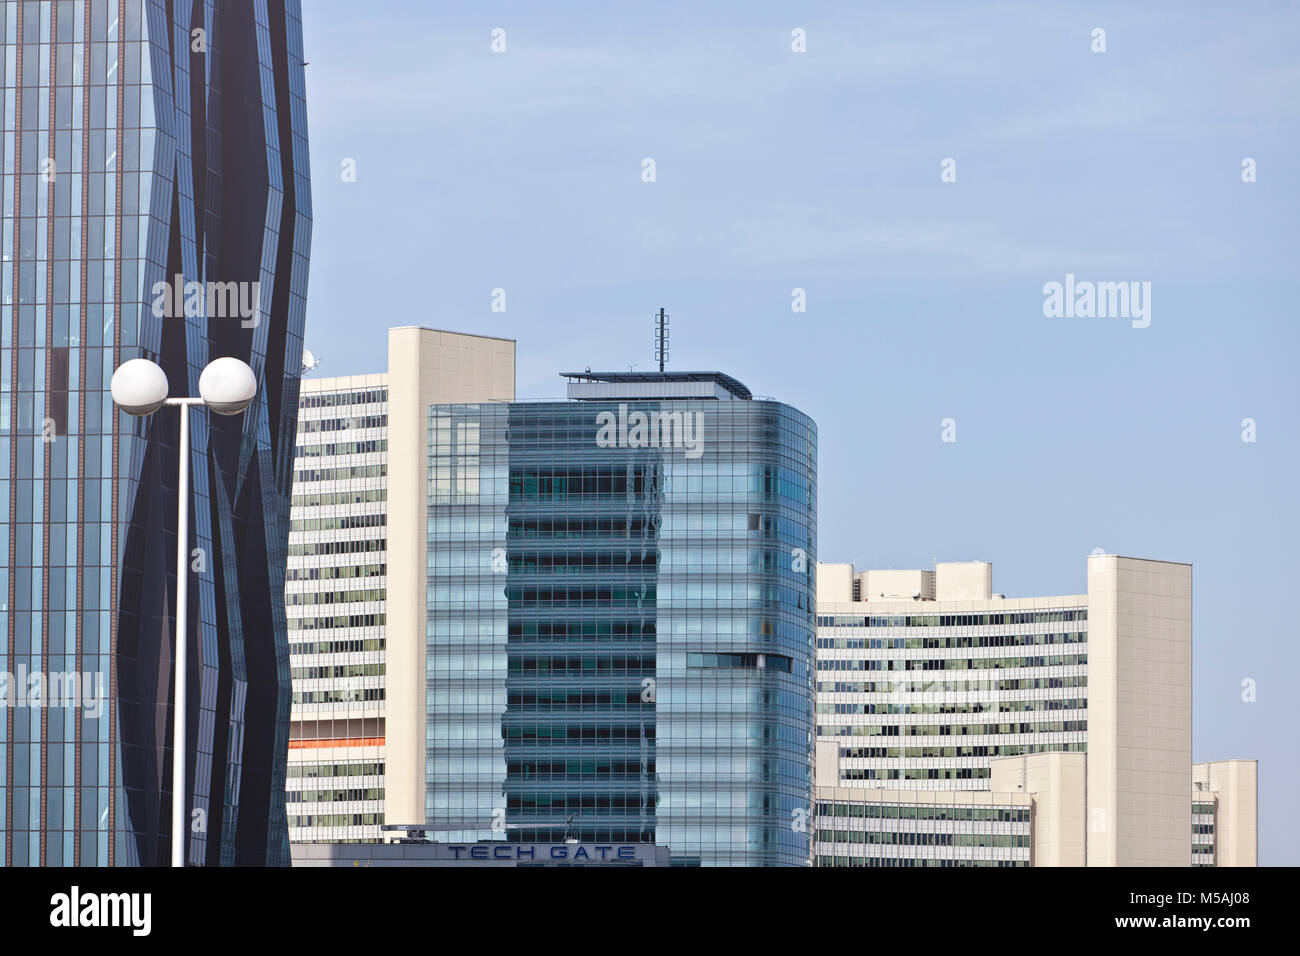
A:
<point x="1225" y="806"/>
<point x="928" y="681"/>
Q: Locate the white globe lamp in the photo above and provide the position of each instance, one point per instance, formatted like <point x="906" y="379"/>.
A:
<point x="139" y="387"/>
<point x="227" y="386"/>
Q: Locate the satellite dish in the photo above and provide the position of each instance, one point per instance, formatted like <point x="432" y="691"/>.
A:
<point x="309" y="361"/>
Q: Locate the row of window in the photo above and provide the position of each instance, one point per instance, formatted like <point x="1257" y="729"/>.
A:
<point x="562" y="700"/>
<point x="994" y="707"/>
<point x="368" y="396"/>
<point x="605" y="731"/>
<point x="643" y="804"/>
<point x="342" y="620"/>
<point x="978" y="640"/>
<point x="334" y="796"/>
<point x="336" y="820"/>
<point x="922" y="839"/>
<point x="354" y="769"/>
<point x="967" y="730"/>
<point x="557" y="484"/>
<point x="774" y="662"/>
<point x="603" y="663"/>
<point x="337" y="670"/>
<point x="337" y="647"/>
<point x="339" y="523"/>
<point x="904" y="811"/>
<point x="574" y="631"/>
<point x="952" y="664"/>
<point x="310" y="425"/>
<point x="619" y="526"/>
<point x="342" y="473"/>
<point x="878" y="861"/>
<point x="363" y="546"/>
<point x="977" y="750"/>
<point x="953" y="620"/>
<point x="588" y="631"/>
<point x="336" y="572"/>
<point x="347" y="695"/>
<point x="577" y="597"/>
<point x="926" y="773"/>
<point x="342" y="448"/>
<point x="585" y="769"/>
<point x="580" y="562"/>
<point x="951" y="686"/>
<point x="998" y="750"/>
<point x="334" y="597"/>
<point x="324" y="499"/>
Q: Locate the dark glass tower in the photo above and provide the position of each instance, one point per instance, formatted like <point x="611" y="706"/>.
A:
<point x="145" y="140"/>
<point x="620" y="619"/>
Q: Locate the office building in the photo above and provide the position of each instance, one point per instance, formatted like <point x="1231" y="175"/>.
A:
<point x="619" y="622"/>
<point x="929" y="683"/>
<point x="1225" y="813"/>
<point x="863" y="827"/>
<point x="350" y="515"/>
<point x="158" y="206"/>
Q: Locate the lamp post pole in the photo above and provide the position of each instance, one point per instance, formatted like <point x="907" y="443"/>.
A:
<point x="139" y="387"/>
<point x="182" y="620"/>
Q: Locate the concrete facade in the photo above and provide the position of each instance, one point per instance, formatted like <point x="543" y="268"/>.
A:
<point x="1058" y="786"/>
<point x="1140" y="712"/>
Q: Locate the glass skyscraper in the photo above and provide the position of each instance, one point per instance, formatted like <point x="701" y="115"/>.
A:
<point x="146" y="144"/>
<point x="620" y="636"/>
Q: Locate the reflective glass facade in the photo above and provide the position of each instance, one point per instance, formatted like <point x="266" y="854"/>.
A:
<point x="620" y="635"/>
<point x="145" y="140"/>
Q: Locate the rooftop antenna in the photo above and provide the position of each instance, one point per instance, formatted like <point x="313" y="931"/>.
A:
<point x="661" y="338"/>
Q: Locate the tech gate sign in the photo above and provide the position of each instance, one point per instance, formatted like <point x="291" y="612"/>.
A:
<point x="545" y="852"/>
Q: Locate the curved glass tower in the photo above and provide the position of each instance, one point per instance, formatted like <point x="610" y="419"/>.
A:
<point x="156" y="205"/>
<point x="620" y="619"/>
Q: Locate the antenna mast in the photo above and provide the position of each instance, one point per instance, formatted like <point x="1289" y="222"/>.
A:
<point x="661" y="338"/>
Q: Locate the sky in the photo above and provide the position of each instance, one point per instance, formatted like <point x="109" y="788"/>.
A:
<point x="921" y="173"/>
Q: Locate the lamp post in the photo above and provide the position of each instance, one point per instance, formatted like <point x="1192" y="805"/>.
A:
<point x="139" y="388"/>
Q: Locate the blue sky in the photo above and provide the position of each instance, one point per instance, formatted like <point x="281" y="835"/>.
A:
<point x="777" y="170"/>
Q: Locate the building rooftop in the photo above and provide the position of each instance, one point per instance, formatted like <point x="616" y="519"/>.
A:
<point x="605" y="385"/>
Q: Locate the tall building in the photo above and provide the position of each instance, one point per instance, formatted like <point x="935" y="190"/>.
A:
<point x="350" y="516"/>
<point x="157" y="205"/>
<point x="931" y="686"/>
<point x="619" y="622"/>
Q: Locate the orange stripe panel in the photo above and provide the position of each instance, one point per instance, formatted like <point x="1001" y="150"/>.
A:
<point x="337" y="742"/>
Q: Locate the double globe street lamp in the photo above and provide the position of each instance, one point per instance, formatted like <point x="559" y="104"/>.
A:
<point x="139" y="387"/>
